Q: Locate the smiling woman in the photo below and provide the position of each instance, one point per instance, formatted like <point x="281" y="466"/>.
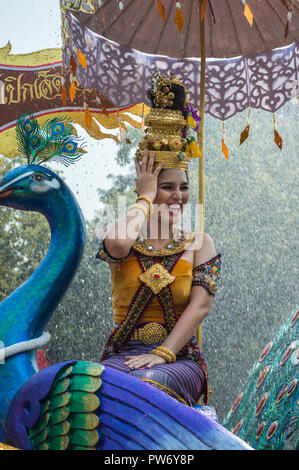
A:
<point x="172" y="194"/>
<point x="163" y="279"/>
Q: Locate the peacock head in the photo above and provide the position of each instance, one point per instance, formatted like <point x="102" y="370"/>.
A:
<point x="30" y="187"/>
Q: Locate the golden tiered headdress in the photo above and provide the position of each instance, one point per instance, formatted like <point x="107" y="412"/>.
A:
<point x="172" y="124"/>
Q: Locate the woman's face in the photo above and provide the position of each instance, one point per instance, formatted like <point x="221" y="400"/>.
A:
<point x="172" y="193"/>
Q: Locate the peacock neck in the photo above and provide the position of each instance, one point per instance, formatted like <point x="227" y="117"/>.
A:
<point x="25" y="313"/>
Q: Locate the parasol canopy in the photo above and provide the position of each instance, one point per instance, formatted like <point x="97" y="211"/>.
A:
<point x="139" y="25"/>
<point x="247" y="66"/>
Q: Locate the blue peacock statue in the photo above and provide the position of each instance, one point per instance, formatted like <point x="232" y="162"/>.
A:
<point x="74" y="405"/>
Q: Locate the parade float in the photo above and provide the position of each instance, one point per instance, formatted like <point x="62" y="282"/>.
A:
<point x="83" y="405"/>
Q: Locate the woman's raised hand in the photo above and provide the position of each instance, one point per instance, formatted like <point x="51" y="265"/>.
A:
<point x="146" y="181"/>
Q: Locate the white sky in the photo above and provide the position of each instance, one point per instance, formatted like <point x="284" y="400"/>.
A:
<point x="32" y="25"/>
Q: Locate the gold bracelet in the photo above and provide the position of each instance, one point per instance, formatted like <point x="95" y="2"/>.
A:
<point x="167" y="351"/>
<point x="142" y="208"/>
<point x="168" y="355"/>
<point x="161" y="354"/>
<point x="147" y="199"/>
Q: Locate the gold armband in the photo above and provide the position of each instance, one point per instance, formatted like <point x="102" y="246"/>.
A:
<point x="161" y="351"/>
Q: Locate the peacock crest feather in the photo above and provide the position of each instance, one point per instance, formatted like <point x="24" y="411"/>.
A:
<point x="54" y="140"/>
<point x="266" y="413"/>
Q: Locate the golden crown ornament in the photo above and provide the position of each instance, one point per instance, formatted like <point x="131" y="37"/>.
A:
<point x="172" y="125"/>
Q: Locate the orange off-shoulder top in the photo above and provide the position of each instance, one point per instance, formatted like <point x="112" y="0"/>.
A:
<point x="125" y="282"/>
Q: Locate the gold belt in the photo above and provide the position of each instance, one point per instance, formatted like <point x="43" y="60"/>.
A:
<point x="150" y="333"/>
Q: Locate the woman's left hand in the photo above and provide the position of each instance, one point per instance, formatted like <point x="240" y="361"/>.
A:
<point x="144" y="360"/>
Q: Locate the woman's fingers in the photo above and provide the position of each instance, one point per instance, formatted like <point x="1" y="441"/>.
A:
<point x="137" y="361"/>
<point x="146" y="175"/>
<point x="131" y="357"/>
<point x="151" y="364"/>
<point x="144" y="360"/>
<point x="137" y="166"/>
<point x="144" y="162"/>
<point x="148" y="162"/>
<point x="151" y="163"/>
<point x="158" y="169"/>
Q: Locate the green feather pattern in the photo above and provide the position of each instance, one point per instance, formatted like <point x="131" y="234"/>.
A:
<point x="265" y="414"/>
<point x="68" y="419"/>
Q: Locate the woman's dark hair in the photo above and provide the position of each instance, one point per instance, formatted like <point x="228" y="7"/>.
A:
<point x="178" y="100"/>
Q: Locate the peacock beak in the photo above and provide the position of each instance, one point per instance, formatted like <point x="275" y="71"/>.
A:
<point x="6" y="192"/>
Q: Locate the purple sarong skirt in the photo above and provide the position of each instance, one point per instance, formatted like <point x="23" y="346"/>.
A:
<point x="184" y="377"/>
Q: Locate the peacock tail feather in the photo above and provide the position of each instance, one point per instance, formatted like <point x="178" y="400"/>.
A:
<point x="265" y="414"/>
<point x="27" y="135"/>
<point x="54" y="140"/>
<point x="68" y="419"/>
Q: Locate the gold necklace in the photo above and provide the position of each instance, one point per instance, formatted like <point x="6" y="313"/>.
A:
<point x="178" y="243"/>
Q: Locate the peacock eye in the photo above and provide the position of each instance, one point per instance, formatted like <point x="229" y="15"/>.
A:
<point x="38" y="178"/>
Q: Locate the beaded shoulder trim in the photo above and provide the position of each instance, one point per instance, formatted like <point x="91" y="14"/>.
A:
<point x="103" y="254"/>
<point x="207" y="275"/>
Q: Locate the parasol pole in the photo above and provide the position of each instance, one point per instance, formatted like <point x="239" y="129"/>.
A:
<point x="200" y="133"/>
